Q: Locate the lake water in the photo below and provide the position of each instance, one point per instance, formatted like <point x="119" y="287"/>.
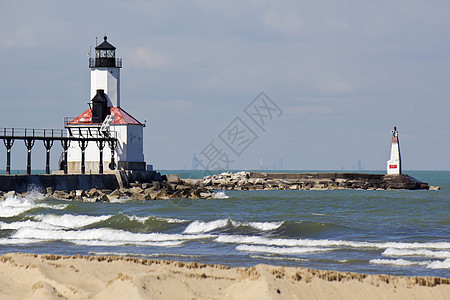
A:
<point x="395" y="232"/>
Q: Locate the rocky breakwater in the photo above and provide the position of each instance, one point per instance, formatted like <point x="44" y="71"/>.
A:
<point x="310" y="181"/>
<point x="170" y="187"/>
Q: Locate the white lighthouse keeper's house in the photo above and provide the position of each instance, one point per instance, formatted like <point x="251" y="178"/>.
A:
<point x="105" y="104"/>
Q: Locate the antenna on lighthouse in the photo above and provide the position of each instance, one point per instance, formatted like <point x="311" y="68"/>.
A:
<point x="394" y="165"/>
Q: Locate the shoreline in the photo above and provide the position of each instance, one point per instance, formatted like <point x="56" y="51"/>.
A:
<point x="28" y="276"/>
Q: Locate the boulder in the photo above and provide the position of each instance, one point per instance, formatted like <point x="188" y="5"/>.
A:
<point x="259" y="181"/>
<point x="10" y="194"/>
<point x="80" y="193"/>
<point x="140" y="196"/>
<point x="151" y="194"/>
<point x="136" y="190"/>
<point x="207" y="181"/>
<point x="49" y="191"/>
<point x="135" y="184"/>
<point x="182" y="187"/>
<point x="172" y="178"/>
<point x="104" y="198"/>
<point x="162" y="195"/>
<point x="88" y="199"/>
<point x="116" y="193"/>
<point x="93" y="193"/>
<point x="125" y="191"/>
<point x="146" y="185"/>
<point x="61" y="195"/>
<point x="205" y="195"/>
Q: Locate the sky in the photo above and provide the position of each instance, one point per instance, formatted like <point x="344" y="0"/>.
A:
<point x="341" y="73"/>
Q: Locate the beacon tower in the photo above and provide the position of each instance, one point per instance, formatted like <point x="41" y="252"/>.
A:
<point x="394" y="165"/>
<point x="105" y="108"/>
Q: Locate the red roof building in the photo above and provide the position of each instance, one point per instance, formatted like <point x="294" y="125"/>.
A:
<point x="121" y="117"/>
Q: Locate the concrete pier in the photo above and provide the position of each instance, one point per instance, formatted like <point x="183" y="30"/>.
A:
<point x="70" y="182"/>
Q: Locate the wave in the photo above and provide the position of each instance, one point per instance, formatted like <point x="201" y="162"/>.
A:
<point x="398" y="262"/>
<point x="13" y="206"/>
<point x="439" y="264"/>
<point x="221" y="195"/>
<point x="259" y="240"/>
<point x="278" y="258"/>
<point x="264" y="226"/>
<point x="121" y="243"/>
<point x="28" y="223"/>
<point x="202" y="227"/>
<point x="19" y="241"/>
<point x="420" y="252"/>
<point x="71" y="221"/>
<point x="436" y="264"/>
<point x="105" y="237"/>
<point x="307" y="228"/>
<point x="280" y="250"/>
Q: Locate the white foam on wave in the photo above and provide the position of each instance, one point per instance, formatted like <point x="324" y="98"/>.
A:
<point x="265" y="226"/>
<point x="168" y="220"/>
<point x="398" y="262"/>
<point x="258" y="240"/>
<point x="53" y="206"/>
<point x="19" y="241"/>
<point x="278" y="258"/>
<point x="105" y="236"/>
<point x="120" y="200"/>
<point x="14" y="206"/>
<point x="28" y="223"/>
<point x="220" y="195"/>
<point x="71" y="221"/>
<point x="163" y="219"/>
<point x="138" y="219"/>
<point x="280" y="250"/>
<point x="110" y="244"/>
<point x="34" y="194"/>
<point x="439" y="264"/>
<point x="418" y="252"/>
<point x="201" y="227"/>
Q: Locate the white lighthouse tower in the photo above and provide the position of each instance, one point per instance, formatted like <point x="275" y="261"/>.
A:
<point x="394" y="165"/>
<point x="105" y="105"/>
<point x="105" y="73"/>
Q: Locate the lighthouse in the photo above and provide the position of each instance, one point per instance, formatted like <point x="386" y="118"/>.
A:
<point x="105" y="114"/>
<point x="394" y="165"/>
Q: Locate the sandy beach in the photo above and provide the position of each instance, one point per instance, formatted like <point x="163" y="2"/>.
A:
<point x="30" y="276"/>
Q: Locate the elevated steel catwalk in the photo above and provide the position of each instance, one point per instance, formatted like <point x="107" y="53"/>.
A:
<point x="81" y="135"/>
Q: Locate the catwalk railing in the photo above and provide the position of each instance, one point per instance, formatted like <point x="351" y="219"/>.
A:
<point x="81" y="135"/>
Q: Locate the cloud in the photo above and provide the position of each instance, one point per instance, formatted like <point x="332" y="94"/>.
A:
<point x="287" y="24"/>
<point x="146" y="57"/>
<point x="336" y="87"/>
<point x="304" y="110"/>
<point x="18" y="38"/>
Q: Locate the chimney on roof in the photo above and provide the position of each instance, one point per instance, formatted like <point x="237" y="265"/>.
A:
<point x="99" y="107"/>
